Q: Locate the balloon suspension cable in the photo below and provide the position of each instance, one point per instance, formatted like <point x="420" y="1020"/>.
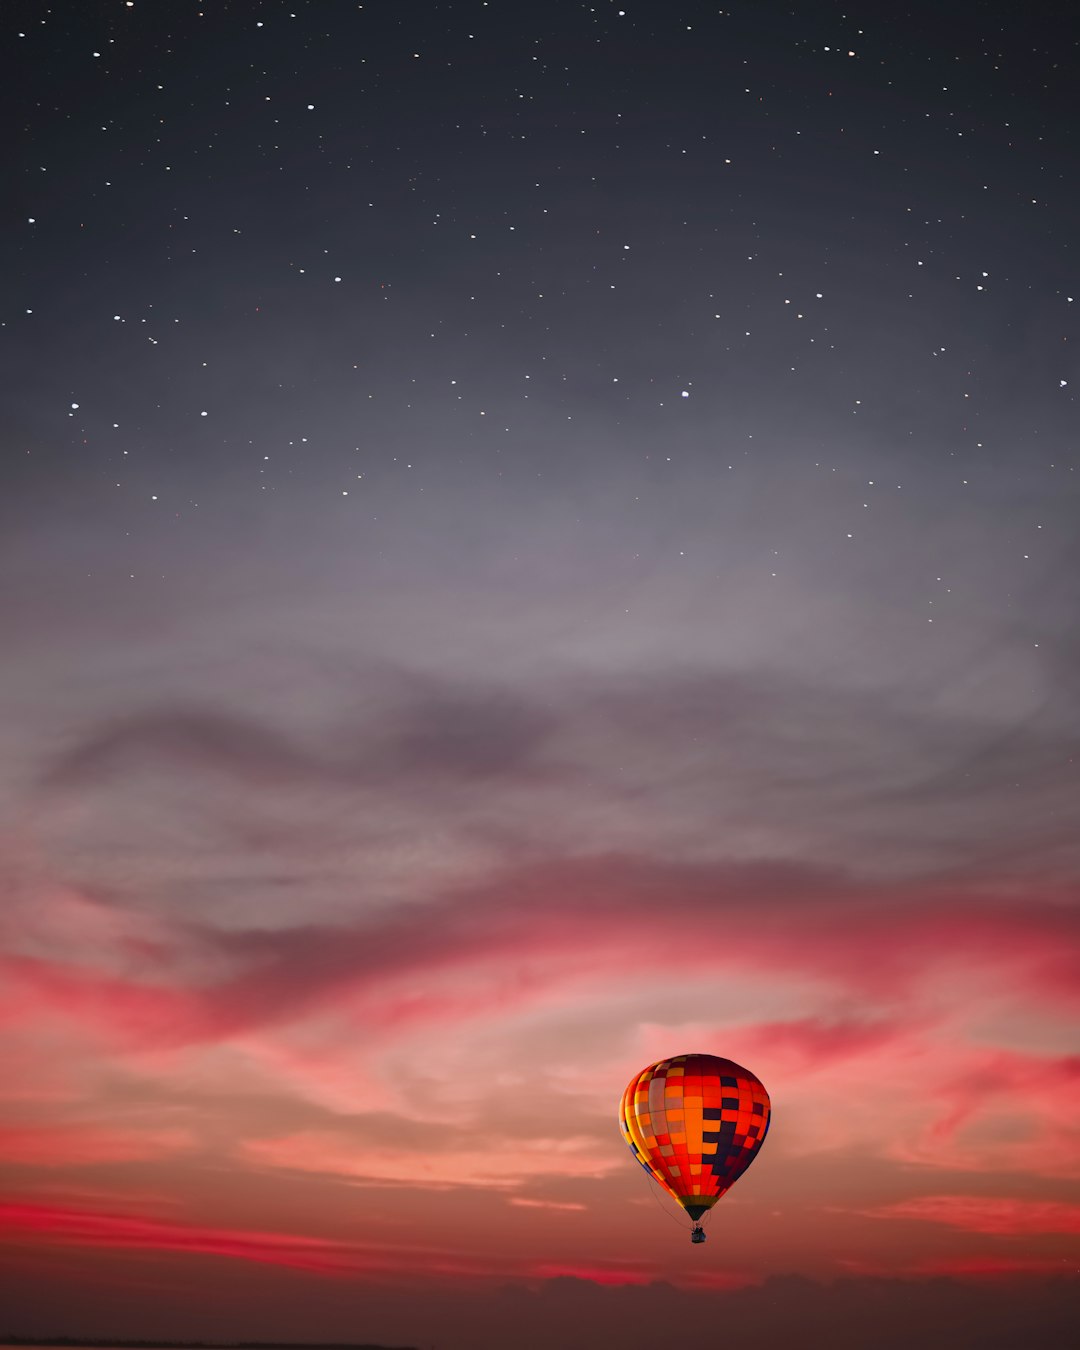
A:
<point x="653" y="1189"/>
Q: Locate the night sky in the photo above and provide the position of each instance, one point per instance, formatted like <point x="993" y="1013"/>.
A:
<point x="537" y="538"/>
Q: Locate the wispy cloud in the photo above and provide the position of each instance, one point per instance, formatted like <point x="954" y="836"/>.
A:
<point x="511" y="901"/>
<point x="527" y="1202"/>
<point x="320" y="1256"/>
<point x="76" y="1145"/>
<point x="489" y="1163"/>
<point x="1000" y="1215"/>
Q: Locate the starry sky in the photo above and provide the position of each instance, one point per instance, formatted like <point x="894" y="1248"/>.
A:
<point x="536" y="538"/>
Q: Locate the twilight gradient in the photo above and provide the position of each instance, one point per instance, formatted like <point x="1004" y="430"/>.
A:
<point x="537" y="542"/>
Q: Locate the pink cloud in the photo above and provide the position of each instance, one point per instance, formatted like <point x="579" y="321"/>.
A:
<point x="498" y="1164"/>
<point x="128" y="1011"/>
<point x="1050" y="1082"/>
<point x="34" y="1225"/>
<point x="596" y="1274"/>
<point x="979" y="1266"/>
<point x="40" y="1067"/>
<point x="69" y="1194"/>
<point x="88" y="1228"/>
<point x="329" y="1015"/>
<point x="715" y="1279"/>
<point x="1004" y="1216"/>
<point x="818" y="1044"/>
<point x="321" y="1256"/>
<point x="992" y="1267"/>
<point x="1000" y="1110"/>
<point x="399" y="972"/>
<point x="525" y="1203"/>
<point x="79" y="1145"/>
<point x="59" y="920"/>
<point x="905" y="1086"/>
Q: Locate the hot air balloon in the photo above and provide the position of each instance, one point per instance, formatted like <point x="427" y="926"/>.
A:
<point x="695" y="1124"/>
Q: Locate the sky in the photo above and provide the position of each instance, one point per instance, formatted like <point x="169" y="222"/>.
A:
<point x="536" y="539"/>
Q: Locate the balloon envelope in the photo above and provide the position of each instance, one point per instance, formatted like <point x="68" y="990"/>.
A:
<point x="695" y="1123"/>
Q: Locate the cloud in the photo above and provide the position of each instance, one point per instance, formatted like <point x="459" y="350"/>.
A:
<point x="320" y="1256"/>
<point x="488" y="1162"/>
<point x="816" y="1043"/>
<point x="417" y="906"/>
<point x="989" y="1267"/>
<point x="526" y="1202"/>
<point x="909" y="1088"/>
<point x="1000" y="1111"/>
<point x="1001" y="1216"/>
<point x="129" y="1011"/>
<point x="519" y="936"/>
<point x="998" y="1075"/>
<point x="422" y="729"/>
<point x="328" y="1013"/>
<point x="38" y="1225"/>
<point x="199" y="740"/>
<point x="440" y="729"/>
<point x="695" y="763"/>
<point x="614" y="1275"/>
<point x="76" y="1145"/>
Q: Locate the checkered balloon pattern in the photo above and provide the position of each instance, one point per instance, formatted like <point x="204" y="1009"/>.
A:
<point x="695" y="1123"/>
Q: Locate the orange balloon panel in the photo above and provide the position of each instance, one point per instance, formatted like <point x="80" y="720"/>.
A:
<point x="695" y="1123"/>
